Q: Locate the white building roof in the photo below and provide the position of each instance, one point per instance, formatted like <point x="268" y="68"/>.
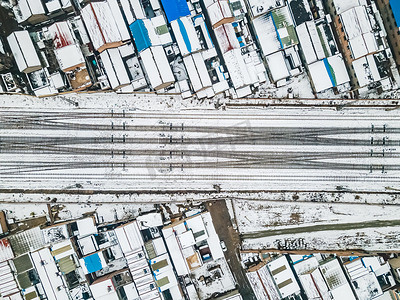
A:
<point x="343" y="292"/>
<point x="366" y="70"/>
<point x="310" y="42"/>
<point x="104" y="290"/>
<point x="277" y="66"/>
<point x="9" y="289"/>
<point x="86" y="227"/>
<point x="263" y="284"/>
<point x="344" y="5"/>
<point x="185" y="35"/>
<point x="218" y="11"/>
<point x="226" y="37"/>
<point x="186" y="239"/>
<point x="213" y="239"/>
<point x="314" y="285"/>
<point x="320" y="76"/>
<point x="69" y="57"/>
<point x="175" y="252"/>
<point x="359" y="31"/>
<point x="157" y="67"/>
<point x="266" y="34"/>
<point x="259" y="7"/>
<point x="115" y="68"/>
<point x="6" y="252"/>
<point x="52" y="283"/>
<point x="28" y="8"/>
<point x="102" y="28"/>
<point x="237" y="68"/>
<point x="197" y="71"/>
<point x="129" y="237"/>
<point x="133" y="10"/>
<point x="24" y="51"/>
<point x="283" y="276"/>
<point x="149" y="220"/>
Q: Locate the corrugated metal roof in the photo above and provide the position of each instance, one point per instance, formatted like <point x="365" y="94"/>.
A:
<point x="6" y="252"/>
<point x="140" y="35"/>
<point x="395" y="5"/>
<point x="174" y="9"/>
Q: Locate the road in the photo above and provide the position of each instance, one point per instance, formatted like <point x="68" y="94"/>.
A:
<point x="240" y="150"/>
<point x="226" y="232"/>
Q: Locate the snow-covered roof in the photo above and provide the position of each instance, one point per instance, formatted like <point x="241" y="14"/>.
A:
<point x="219" y="11"/>
<point x="310" y="42"/>
<point x="366" y="70"/>
<point x="213" y="239"/>
<point x="47" y="270"/>
<point x="70" y="57"/>
<point x="27" y="8"/>
<point x="263" y="284"/>
<point x="129" y="237"/>
<point x="6" y="252"/>
<point x="359" y="31"/>
<point x="329" y="72"/>
<point x="24" y="51"/>
<point x="226" y="37"/>
<point x="283" y="276"/>
<point x="196" y="224"/>
<point x="343" y="292"/>
<point x="8" y="286"/>
<point x="277" y="66"/>
<point x="133" y="10"/>
<point x="175" y="252"/>
<point x="266" y="34"/>
<point x="157" y="67"/>
<point x="115" y="68"/>
<point x="344" y="5"/>
<point x="197" y="71"/>
<point x="104" y="290"/>
<point x="237" y="68"/>
<point x="259" y="7"/>
<point x="314" y="285"/>
<point x="61" y="34"/>
<point x="105" y="24"/>
<point x="149" y="220"/>
<point x="186" y="239"/>
<point x="185" y="35"/>
<point x="86" y="227"/>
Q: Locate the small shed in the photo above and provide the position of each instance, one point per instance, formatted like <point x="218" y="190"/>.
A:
<point x="24" y="51"/>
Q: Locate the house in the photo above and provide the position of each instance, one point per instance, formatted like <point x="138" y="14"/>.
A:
<point x="329" y="72"/>
<point x="220" y="13"/>
<point x="30" y="11"/>
<point x="150" y="32"/>
<point x="175" y="9"/>
<point x="185" y="35"/>
<point x="67" y="51"/>
<point x="157" y="67"/>
<point x="53" y="284"/>
<point x="24" y="51"/>
<point x="105" y="24"/>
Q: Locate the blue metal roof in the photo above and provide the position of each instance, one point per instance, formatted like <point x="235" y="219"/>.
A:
<point x="140" y="35"/>
<point x="93" y="263"/>
<point x="174" y="9"/>
<point x="185" y="35"/>
<point x="395" y="5"/>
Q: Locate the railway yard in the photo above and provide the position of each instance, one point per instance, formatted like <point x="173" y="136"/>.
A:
<point x="291" y="180"/>
<point x="131" y="150"/>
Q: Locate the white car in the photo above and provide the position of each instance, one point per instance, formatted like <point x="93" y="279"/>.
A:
<point x="223" y="246"/>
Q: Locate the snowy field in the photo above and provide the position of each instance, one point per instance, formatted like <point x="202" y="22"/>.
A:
<point x="254" y="216"/>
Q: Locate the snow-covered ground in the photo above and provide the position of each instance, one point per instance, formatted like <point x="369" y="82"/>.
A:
<point x="368" y="239"/>
<point x="253" y="216"/>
